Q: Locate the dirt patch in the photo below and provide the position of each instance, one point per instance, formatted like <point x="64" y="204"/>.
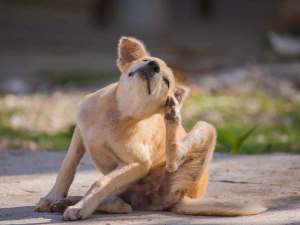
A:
<point x="272" y="179"/>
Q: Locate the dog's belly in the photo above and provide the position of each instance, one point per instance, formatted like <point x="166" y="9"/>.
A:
<point x="153" y="192"/>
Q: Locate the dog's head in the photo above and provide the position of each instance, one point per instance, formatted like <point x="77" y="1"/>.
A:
<point x="146" y="82"/>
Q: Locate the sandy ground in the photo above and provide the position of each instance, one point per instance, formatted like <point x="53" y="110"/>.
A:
<point x="272" y="179"/>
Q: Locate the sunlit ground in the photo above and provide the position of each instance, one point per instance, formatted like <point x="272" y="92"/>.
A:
<point x="246" y="122"/>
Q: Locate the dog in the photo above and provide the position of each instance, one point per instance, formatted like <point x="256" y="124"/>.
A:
<point x="132" y="131"/>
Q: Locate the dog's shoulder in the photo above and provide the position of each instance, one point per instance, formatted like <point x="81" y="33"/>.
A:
<point x="95" y="103"/>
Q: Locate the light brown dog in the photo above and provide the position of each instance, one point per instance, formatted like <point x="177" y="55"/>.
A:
<point x="132" y="131"/>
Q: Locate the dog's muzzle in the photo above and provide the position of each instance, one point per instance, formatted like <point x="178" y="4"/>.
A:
<point x="147" y="72"/>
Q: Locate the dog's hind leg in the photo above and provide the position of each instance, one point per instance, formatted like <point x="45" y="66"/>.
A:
<point x="66" y="174"/>
<point x="196" y="152"/>
<point x="192" y="178"/>
<point x="198" y="146"/>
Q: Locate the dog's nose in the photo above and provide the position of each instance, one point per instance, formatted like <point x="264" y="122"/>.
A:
<point x="154" y="65"/>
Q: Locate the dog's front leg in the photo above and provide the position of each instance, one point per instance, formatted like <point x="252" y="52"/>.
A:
<point x="105" y="187"/>
<point x="65" y="175"/>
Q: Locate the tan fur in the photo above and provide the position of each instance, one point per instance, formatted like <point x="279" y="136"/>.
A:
<point x="190" y="206"/>
<point x="125" y="130"/>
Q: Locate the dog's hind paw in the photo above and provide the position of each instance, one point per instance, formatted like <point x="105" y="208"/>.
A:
<point x="172" y="111"/>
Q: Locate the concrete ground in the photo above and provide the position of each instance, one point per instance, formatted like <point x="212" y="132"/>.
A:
<point x="272" y="179"/>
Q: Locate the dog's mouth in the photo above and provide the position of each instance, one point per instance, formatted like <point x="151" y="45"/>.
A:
<point x="147" y="72"/>
<point x="147" y="76"/>
<point x="148" y="86"/>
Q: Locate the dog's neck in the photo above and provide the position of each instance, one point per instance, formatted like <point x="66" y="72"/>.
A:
<point x="130" y="109"/>
<point x="129" y="105"/>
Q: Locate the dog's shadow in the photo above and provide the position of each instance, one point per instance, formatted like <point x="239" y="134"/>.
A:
<point x="28" y="216"/>
<point x="14" y="214"/>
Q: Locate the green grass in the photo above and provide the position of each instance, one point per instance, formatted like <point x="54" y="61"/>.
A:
<point x="21" y="138"/>
<point x="233" y="141"/>
<point x="265" y="139"/>
<point x="276" y="121"/>
<point x="18" y="138"/>
<point x="246" y="123"/>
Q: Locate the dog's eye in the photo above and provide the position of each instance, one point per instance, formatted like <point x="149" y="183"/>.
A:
<point x="130" y="74"/>
<point x="145" y="60"/>
<point x="166" y="81"/>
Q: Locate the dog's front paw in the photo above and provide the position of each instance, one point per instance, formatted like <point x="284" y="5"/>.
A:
<point x="45" y="203"/>
<point x="75" y="213"/>
<point x="61" y="206"/>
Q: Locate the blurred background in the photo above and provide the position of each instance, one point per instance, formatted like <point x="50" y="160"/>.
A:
<point x="240" y="59"/>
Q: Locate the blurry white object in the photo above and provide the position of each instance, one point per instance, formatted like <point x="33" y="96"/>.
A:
<point x="284" y="44"/>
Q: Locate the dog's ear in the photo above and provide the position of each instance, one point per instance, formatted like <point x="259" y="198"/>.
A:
<point x="129" y="50"/>
<point x="180" y="93"/>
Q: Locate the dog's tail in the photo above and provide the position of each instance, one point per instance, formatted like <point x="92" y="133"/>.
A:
<point x="190" y="206"/>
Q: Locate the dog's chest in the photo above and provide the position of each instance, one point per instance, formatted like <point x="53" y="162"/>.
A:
<point x="108" y="146"/>
<point x="131" y="150"/>
<point x="146" y="144"/>
<point x="94" y="141"/>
